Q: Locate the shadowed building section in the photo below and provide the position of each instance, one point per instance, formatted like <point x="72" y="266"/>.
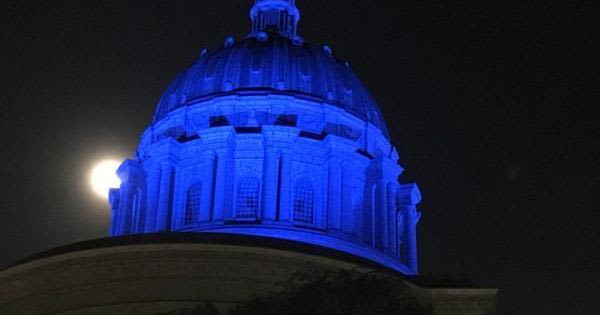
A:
<point x="152" y="274"/>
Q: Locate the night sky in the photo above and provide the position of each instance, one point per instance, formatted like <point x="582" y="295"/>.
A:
<point x="487" y="104"/>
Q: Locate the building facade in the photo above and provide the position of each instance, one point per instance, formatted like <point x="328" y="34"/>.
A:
<point x="270" y="135"/>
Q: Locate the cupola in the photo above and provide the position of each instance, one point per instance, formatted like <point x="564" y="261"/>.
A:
<point x="281" y="16"/>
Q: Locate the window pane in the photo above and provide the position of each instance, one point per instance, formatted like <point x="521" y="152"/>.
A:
<point x="248" y="201"/>
<point x="304" y="202"/>
<point x="192" y="207"/>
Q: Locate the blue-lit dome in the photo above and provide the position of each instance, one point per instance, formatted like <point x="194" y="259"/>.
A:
<point x="271" y="136"/>
<point x="277" y="64"/>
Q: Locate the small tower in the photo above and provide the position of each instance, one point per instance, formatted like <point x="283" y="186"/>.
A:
<point x="281" y="16"/>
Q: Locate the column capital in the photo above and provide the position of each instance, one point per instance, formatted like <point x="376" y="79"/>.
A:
<point x="280" y="134"/>
<point x="409" y="194"/>
<point x="131" y="171"/>
<point x="165" y="152"/>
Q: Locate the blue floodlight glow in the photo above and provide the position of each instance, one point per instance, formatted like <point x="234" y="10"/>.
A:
<point x="271" y="136"/>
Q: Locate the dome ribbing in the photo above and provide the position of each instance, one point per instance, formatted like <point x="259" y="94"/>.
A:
<point x="277" y="64"/>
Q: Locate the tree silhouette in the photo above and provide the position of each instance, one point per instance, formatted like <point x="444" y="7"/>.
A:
<point x="340" y="292"/>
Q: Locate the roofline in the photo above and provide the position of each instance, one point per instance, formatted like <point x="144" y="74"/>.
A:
<point x="427" y="281"/>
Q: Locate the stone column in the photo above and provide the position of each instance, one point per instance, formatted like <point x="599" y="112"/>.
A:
<point x="334" y="193"/>
<point x="392" y="212"/>
<point x="220" y="187"/>
<point x="114" y="199"/>
<point x="208" y="180"/>
<point x="412" y="217"/>
<point x="163" y="212"/>
<point x="410" y="197"/>
<point x="138" y="211"/>
<point x="153" y="187"/>
<point x="271" y="179"/>
<point x="285" y="206"/>
<point x="346" y="202"/>
<point x="381" y="215"/>
<point x="369" y="213"/>
<point x="125" y="209"/>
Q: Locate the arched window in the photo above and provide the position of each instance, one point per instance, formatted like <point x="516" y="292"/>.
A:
<point x="247" y="200"/>
<point x="304" y="201"/>
<point x="192" y="204"/>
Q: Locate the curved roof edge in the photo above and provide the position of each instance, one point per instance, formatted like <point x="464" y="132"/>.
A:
<point x="426" y="281"/>
<point x="217" y="238"/>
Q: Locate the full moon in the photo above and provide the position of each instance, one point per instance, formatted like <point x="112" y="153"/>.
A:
<point x="104" y="177"/>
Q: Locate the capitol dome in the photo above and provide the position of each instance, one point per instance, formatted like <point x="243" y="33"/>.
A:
<point x="270" y="136"/>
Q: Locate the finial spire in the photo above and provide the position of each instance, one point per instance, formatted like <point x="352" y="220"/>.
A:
<point x="278" y="15"/>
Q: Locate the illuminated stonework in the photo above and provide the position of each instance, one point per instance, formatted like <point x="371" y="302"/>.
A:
<point x="271" y="136"/>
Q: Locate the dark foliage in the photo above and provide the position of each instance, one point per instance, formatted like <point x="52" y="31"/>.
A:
<point x="337" y="292"/>
<point x="331" y="293"/>
<point x="200" y="310"/>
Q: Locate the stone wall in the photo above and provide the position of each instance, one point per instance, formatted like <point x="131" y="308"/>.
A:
<point x="150" y="278"/>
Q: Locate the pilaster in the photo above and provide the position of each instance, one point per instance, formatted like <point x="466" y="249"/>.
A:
<point x="153" y="188"/>
<point x="279" y="142"/>
<point x="271" y="180"/>
<point x="410" y="197"/>
<point x="222" y="178"/>
<point x="339" y="212"/>
<point x="165" y="206"/>
<point x="285" y="199"/>
<point x="132" y="178"/>
<point x="348" y="216"/>
<point x="208" y="182"/>
<point x="218" y="142"/>
<point x="165" y="157"/>
<point x="392" y="212"/>
<point x="114" y="198"/>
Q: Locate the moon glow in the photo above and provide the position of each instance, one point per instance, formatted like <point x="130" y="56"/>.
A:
<point x="104" y="177"/>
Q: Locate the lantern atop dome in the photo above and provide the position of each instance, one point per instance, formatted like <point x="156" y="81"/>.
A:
<point x="281" y="16"/>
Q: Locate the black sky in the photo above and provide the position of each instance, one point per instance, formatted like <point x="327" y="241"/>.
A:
<point x="488" y="103"/>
